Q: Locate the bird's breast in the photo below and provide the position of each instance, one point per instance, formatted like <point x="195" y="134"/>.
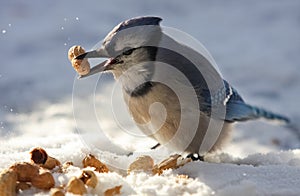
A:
<point x="157" y="113"/>
<point x="174" y="122"/>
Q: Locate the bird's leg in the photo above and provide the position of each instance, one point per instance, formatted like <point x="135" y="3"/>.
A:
<point x="154" y="147"/>
<point x="195" y="157"/>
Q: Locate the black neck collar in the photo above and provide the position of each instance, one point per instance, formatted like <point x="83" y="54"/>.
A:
<point x="141" y="90"/>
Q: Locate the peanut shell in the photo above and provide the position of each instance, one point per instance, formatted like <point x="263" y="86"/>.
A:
<point x="81" y="66"/>
<point x="143" y="163"/>
<point x="23" y="186"/>
<point x="113" y="191"/>
<point x="89" y="178"/>
<point x="173" y="162"/>
<point x="57" y="192"/>
<point x="51" y="163"/>
<point x="8" y="180"/>
<point x="75" y="51"/>
<point x="92" y="161"/>
<point x="25" y="171"/>
<point x="38" y="155"/>
<point x="76" y="186"/>
<point x="43" y="181"/>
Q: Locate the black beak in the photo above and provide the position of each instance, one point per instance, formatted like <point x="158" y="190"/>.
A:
<point x="99" y="53"/>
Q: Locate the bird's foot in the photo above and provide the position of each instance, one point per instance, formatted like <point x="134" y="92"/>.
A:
<point x="154" y="147"/>
<point x="195" y="157"/>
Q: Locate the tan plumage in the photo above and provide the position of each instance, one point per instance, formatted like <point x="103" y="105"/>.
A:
<point x="139" y="110"/>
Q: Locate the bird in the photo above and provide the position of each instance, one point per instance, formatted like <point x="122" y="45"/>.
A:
<point x="173" y="92"/>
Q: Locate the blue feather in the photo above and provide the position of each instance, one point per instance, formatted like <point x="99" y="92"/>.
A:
<point x="139" y="21"/>
<point x="236" y="108"/>
<point x="240" y="111"/>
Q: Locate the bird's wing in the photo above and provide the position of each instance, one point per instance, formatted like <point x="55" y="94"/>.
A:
<point x="236" y="108"/>
<point x="196" y="65"/>
<point x="215" y="96"/>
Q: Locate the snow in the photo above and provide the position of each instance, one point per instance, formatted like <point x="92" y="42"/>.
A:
<point x="256" y="45"/>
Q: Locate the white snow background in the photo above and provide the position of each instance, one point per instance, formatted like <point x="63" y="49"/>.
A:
<point x="255" y="43"/>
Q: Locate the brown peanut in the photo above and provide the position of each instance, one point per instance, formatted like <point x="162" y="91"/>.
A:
<point x="39" y="156"/>
<point x="113" y="191"/>
<point x="89" y="178"/>
<point x="43" y="181"/>
<point x="92" y="161"/>
<point x="143" y="163"/>
<point x="23" y="186"/>
<point x="76" y="186"/>
<point x="57" y="192"/>
<point x="173" y="162"/>
<point x="8" y="180"/>
<point x="25" y="171"/>
<point x="81" y="66"/>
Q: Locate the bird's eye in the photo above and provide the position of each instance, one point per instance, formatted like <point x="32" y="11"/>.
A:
<point x="128" y="52"/>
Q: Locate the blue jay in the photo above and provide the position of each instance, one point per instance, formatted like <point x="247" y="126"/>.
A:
<point x="136" y="49"/>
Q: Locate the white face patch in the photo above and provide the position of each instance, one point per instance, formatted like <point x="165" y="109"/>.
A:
<point x="136" y="75"/>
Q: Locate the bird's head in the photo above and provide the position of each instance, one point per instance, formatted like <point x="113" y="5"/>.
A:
<point x="128" y="44"/>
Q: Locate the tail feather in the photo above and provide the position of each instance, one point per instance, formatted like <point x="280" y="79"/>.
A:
<point x="240" y="111"/>
<point x="262" y="113"/>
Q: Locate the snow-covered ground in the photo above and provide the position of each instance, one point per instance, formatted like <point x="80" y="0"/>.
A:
<point x="255" y="43"/>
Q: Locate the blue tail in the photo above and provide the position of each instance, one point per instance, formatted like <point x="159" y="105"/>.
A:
<point x="261" y="113"/>
<point x="236" y="108"/>
<point x="240" y="111"/>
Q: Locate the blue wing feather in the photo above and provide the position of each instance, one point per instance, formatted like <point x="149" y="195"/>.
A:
<point x="236" y="108"/>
